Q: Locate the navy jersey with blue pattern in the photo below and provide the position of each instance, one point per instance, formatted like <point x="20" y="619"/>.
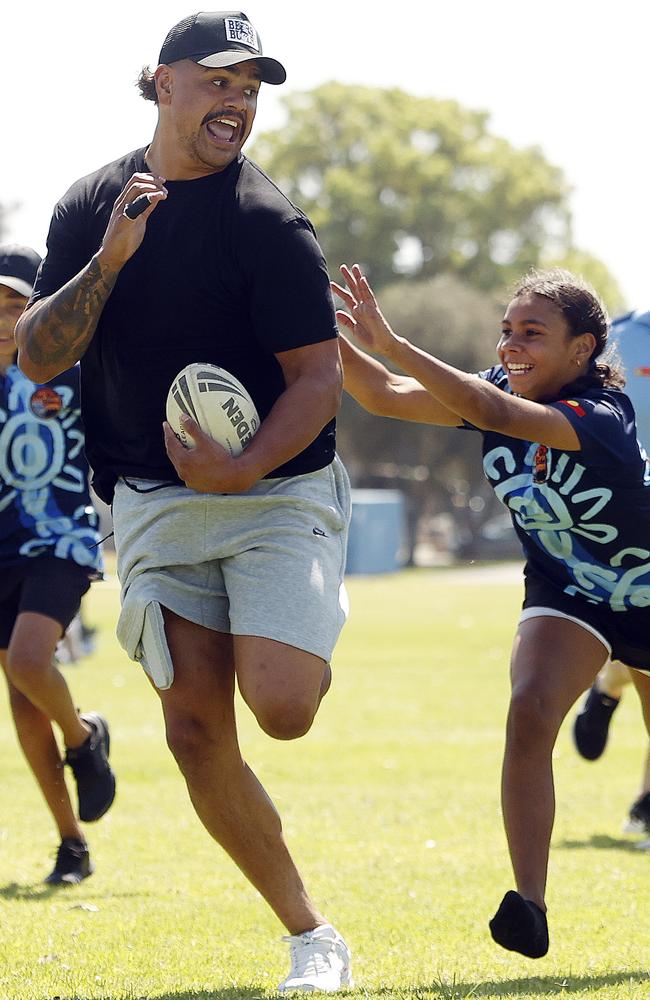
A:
<point x="583" y="517"/>
<point x="45" y="505"/>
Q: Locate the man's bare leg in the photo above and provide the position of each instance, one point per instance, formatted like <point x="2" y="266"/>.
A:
<point x="229" y="800"/>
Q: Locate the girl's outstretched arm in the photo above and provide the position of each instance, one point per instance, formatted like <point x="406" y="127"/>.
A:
<point x="376" y="388"/>
<point x="457" y="392"/>
<point x="387" y="394"/>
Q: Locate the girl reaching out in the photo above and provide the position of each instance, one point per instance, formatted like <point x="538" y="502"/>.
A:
<point x="560" y="450"/>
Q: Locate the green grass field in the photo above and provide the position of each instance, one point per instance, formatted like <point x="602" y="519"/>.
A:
<point x="391" y="808"/>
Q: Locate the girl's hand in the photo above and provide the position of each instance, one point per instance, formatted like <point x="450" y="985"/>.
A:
<point x="364" y="318"/>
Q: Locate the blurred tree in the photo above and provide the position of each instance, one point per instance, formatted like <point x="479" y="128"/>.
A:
<point x="418" y="189"/>
<point x="415" y="186"/>
<point x="437" y="468"/>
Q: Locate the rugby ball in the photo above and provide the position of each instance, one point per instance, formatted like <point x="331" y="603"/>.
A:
<point x="217" y="401"/>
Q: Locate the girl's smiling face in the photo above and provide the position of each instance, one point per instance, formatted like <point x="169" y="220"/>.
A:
<point x="537" y="350"/>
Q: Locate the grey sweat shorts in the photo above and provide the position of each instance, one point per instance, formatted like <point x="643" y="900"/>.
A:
<point x="268" y="562"/>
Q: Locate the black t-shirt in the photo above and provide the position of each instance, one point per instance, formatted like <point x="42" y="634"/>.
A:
<point x="229" y="272"/>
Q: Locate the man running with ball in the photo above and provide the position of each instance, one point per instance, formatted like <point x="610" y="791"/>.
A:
<point x="231" y="568"/>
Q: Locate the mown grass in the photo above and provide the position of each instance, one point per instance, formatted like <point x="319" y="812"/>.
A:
<point x="390" y="806"/>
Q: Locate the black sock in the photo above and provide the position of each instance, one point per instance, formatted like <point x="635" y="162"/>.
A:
<point x="520" y="925"/>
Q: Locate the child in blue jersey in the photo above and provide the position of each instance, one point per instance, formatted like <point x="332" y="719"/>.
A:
<point x="48" y="556"/>
<point x="560" y="450"/>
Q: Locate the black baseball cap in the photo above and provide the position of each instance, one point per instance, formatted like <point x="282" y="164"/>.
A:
<point x="18" y="267"/>
<point x="219" y="38"/>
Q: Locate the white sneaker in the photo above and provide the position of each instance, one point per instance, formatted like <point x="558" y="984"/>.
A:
<point x="320" y="960"/>
<point x="633" y="825"/>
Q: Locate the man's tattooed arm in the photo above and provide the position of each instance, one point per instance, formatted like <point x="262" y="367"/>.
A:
<point x="55" y="332"/>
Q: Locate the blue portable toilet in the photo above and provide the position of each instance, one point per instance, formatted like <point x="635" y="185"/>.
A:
<point x="630" y="334"/>
<point x="376" y="542"/>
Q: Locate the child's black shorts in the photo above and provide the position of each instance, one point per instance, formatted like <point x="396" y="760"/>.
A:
<point x="45" y="585"/>
<point x="626" y="633"/>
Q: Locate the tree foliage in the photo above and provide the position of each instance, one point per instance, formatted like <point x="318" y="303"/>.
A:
<point x="443" y="216"/>
<point x="415" y="186"/>
<point x="438" y="468"/>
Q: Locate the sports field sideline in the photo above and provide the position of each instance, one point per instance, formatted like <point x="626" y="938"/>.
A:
<point x="390" y="805"/>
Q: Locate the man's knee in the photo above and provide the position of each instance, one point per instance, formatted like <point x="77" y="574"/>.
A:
<point x="291" y="716"/>
<point x="285" y="719"/>
<point x="189" y="740"/>
<point x="281" y="685"/>
<point x="203" y="745"/>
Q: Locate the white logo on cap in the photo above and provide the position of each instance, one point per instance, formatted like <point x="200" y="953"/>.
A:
<point x="241" y="31"/>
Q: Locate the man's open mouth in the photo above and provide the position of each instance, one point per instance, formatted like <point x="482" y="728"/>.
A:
<point x="225" y="128"/>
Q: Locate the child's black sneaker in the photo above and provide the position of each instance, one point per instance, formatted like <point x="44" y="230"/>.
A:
<point x="520" y="925"/>
<point x="591" y="725"/>
<point x="92" y="772"/>
<point x="73" y="863"/>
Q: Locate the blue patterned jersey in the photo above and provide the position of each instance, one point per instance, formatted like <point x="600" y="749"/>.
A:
<point x="583" y="517"/>
<point x="45" y="506"/>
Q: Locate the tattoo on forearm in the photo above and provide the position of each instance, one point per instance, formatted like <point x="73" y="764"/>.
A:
<point x="61" y="328"/>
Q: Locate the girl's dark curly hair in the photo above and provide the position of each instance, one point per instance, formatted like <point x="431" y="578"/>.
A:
<point x="583" y="312"/>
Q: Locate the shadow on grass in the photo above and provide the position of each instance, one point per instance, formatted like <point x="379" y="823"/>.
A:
<point x="230" y="993"/>
<point x="537" y="986"/>
<point x="37" y="891"/>
<point x="602" y="842"/>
